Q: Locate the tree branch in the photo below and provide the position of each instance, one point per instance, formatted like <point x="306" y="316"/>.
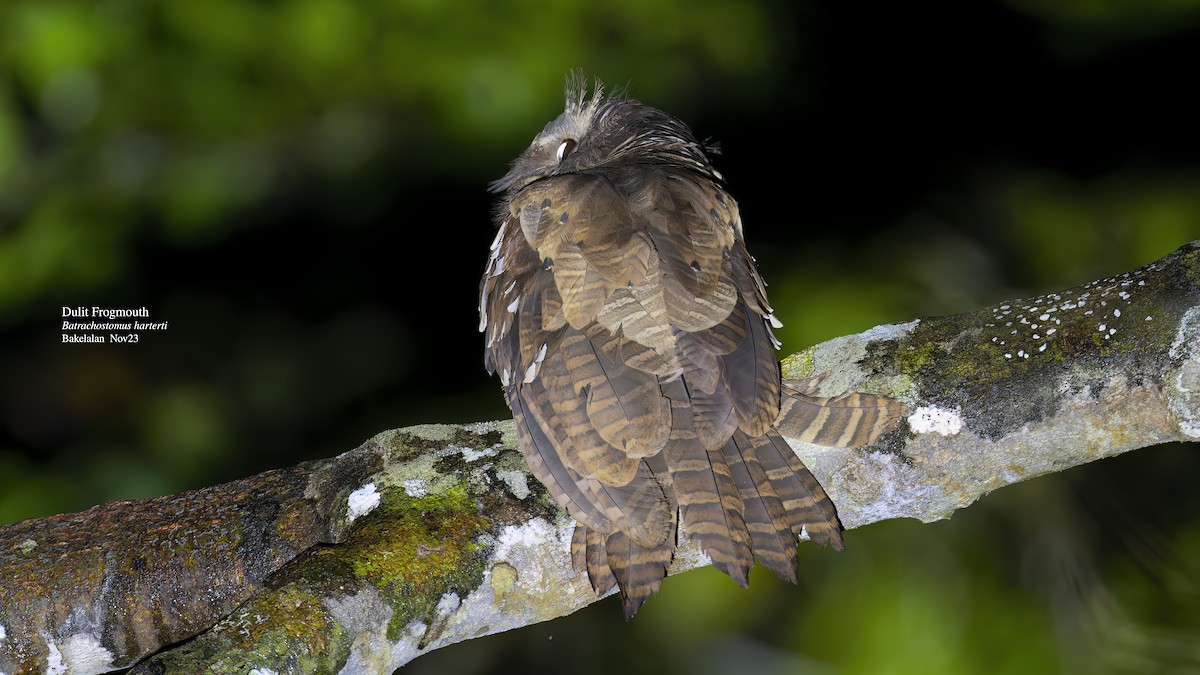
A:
<point x="430" y="535"/>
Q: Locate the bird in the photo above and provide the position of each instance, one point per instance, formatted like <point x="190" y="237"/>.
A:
<point x="632" y="336"/>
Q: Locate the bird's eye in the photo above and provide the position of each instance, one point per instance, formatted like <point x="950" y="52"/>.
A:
<point x="565" y="149"/>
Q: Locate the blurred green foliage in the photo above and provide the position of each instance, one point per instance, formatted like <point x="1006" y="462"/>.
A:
<point x="299" y="188"/>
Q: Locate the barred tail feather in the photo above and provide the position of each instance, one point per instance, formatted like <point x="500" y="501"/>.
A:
<point x="850" y="420"/>
<point x="589" y="557"/>
<point x="808" y="508"/>
<point x="708" y="497"/>
<point x="639" y="571"/>
<point x="771" y="535"/>
<point x="616" y="560"/>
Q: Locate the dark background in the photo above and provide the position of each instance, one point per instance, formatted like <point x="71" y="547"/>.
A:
<point x="299" y="189"/>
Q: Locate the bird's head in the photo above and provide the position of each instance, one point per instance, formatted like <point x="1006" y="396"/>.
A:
<point x="599" y="132"/>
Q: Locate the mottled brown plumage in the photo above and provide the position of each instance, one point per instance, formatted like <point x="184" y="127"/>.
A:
<point x="632" y="335"/>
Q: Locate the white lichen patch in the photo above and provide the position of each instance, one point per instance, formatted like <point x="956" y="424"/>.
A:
<point x="262" y="671"/>
<point x="83" y="653"/>
<point x="79" y="654"/>
<point x="517" y="482"/>
<point x="474" y="454"/>
<point x="3" y="634"/>
<point x="415" y="487"/>
<point x="448" y="604"/>
<point x="523" y="546"/>
<point x="54" y="660"/>
<point x="362" y="501"/>
<point x="932" y="419"/>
